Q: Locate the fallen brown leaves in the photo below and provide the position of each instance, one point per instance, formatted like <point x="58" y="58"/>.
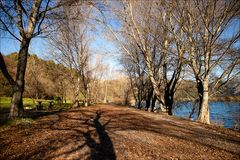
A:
<point x="110" y="132"/>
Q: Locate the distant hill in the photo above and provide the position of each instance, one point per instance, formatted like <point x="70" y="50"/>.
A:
<point x="42" y="77"/>
<point x="46" y="79"/>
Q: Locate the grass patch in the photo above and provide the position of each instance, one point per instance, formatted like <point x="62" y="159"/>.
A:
<point x="5" y="102"/>
<point x="10" y="122"/>
<point x="29" y="106"/>
<point x="29" y="103"/>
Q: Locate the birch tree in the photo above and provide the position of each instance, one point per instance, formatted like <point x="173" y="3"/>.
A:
<point x="148" y="25"/>
<point x="137" y="76"/>
<point x="70" y="47"/>
<point x="213" y="56"/>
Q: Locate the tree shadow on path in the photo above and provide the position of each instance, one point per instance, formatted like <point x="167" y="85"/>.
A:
<point x="106" y="132"/>
<point x="104" y="149"/>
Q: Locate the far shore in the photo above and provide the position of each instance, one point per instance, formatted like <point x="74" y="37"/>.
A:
<point x="214" y="99"/>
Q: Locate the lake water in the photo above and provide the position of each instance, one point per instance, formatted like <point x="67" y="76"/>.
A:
<point x="225" y="114"/>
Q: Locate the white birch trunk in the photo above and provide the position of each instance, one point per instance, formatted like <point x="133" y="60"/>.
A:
<point x="204" y="116"/>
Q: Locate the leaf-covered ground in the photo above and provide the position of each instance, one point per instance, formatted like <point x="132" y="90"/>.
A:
<point x="111" y="132"/>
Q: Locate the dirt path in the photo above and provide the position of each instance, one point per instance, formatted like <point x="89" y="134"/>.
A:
<point x="110" y="132"/>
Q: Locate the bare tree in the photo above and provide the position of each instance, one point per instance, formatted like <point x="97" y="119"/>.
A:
<point x="23" y="20"/>
<point x="33" y="87"/>
<point x="210" y="52"/>
<point x="158" y="38"/>
<point x="70" y="47"/>
<point x="98" y="70"/>
<point x="135" y="72"/>
<point x="171" y="34"/>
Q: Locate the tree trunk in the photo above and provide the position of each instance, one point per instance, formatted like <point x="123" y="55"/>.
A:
<point x="168" y="96"/>
<point x="86" y="101"/>
<point x="148" y="103"/>
<point x="155" y="83"/>
<point x="200" y="93"/>
<point x="139" y="104"/>
<point x="16" y="109"/>
<point x="139" y="96"/>
<point x="204" y="115"/>
<point x="17" y="103"/>
<point x="149" y="98"/>
<point x="153" y="103"/>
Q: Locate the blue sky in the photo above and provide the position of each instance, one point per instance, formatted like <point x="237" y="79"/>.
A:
<point x="38" y="46"/>
<point x="100" y="44"/>
<point x="233" y="29"/>
<point x="9" y="45"/>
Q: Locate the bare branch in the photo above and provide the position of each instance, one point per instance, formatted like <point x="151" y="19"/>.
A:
<point x="5" y="71"/>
